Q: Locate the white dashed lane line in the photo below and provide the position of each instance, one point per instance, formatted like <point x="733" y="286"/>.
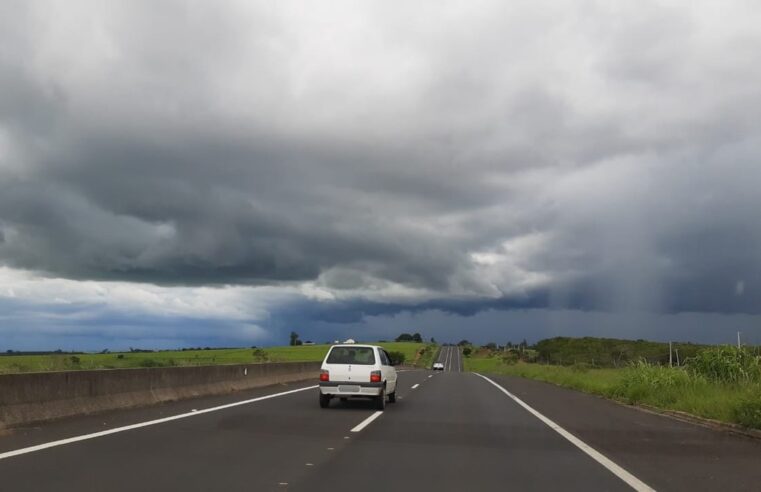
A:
<point x="367" y="421"/>
<point x="415" y="386"/>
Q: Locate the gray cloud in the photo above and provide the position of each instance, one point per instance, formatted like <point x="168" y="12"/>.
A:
<point x="437" y="156"/>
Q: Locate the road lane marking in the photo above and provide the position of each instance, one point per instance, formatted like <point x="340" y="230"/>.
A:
<point x="61" y="442"/>
<point x="415" y="386"/>
<point x="430" y="376"/>
<point x="624" y="475"/>
<point x="367" y="421"/>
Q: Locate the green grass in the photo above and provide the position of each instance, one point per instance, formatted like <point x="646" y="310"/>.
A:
<point x="656" y="386"/>
<point x="301" y="353"/>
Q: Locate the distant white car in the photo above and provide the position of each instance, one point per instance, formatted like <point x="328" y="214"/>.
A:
<point x="358" y="371"/>
<point x="438" y="366"/>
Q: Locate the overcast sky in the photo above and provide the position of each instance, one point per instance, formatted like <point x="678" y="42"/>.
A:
<point x="176" y="174"/>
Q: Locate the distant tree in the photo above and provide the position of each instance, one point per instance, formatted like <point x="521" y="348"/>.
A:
<point x="433" y="340"/>
<point x="417" y="338"/>
<point x="466" y="351"/>
<point x="491" y="346"/>
<point x="509" y="345"/>
<point x="462" y="343"/>
<point x="404" y="337"/>
<point x="298" y="342"/>
<point x="294" y="338"/>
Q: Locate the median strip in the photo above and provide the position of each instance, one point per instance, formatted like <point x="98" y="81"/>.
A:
<point x="624" y="475"/>
<point x="70" y="440"/>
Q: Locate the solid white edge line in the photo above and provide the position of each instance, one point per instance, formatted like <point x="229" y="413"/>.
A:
<point x="624" y="475"/>
<point x="61" y="442"/>
<point x="415" y="386"/>
<point x="367" y="421"/>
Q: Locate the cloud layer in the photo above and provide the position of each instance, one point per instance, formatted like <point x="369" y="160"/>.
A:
<point x="596" y="156"/>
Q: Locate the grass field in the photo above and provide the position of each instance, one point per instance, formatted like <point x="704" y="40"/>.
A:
<point x="662" y="387"/>
<point x="117" y="360"/>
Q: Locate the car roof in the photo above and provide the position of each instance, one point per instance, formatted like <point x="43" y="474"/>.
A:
<point x="356" y="345"/>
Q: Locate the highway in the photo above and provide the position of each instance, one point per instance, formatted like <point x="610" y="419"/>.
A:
<point x="451" y="357"/>
<point x="448" y="431"/>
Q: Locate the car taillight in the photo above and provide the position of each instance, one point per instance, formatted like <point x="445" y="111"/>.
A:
<point x="375" y="377"/>
<point x="324" y="375"/>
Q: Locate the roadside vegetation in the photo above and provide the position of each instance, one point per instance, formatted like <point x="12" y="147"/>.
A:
<point x="409" y="353"/>
<point x="721" y="383"/>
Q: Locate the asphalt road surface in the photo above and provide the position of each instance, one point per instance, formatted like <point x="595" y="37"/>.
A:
<point x="448" y="431"/>
<point x="451" y="357"/>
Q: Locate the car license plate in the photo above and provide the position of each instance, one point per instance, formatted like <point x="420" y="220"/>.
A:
<point x="348" y="389"/>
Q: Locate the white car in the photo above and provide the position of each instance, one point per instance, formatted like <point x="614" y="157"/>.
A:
<point x="357" y="371"/>
<point x="438" y="366"/>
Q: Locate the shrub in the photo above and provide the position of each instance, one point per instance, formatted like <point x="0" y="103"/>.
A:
<point x="725" y="364"/>
<point x="643" y="380"/>
<point x="260" y="355"/>
<point x="397" y="357"/>
<point x="74" y="360"/>
<point x="120" y="356"/>
<point x="150" y="363"/>
<point x="510" y="358"/>
<point x="466" y="351"/>
<point x="581" y="367"/>
<point x="748" y="412"/>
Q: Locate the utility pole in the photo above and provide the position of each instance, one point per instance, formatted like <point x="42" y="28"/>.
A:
<point x="677" y="358"/>
<point x="671" y="356"/>
<point x="738" y="339"/>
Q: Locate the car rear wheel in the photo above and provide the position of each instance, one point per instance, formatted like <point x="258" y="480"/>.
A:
<point x="392" y="397"/>
<point x="324" y="401"/>
<point x="380" y="400"/>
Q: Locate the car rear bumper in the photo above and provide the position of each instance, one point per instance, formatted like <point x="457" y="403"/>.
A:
<point x="350" y="388"/>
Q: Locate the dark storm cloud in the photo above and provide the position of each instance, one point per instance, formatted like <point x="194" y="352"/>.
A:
<point x="411" y="164"/>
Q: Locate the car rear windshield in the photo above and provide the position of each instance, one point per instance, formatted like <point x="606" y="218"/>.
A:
<point x="351" y="355"/>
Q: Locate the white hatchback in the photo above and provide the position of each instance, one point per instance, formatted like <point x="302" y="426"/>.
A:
<point x="357" y="371"/>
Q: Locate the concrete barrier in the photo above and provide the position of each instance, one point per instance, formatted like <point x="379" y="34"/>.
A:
<point x="35" y="397"/>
